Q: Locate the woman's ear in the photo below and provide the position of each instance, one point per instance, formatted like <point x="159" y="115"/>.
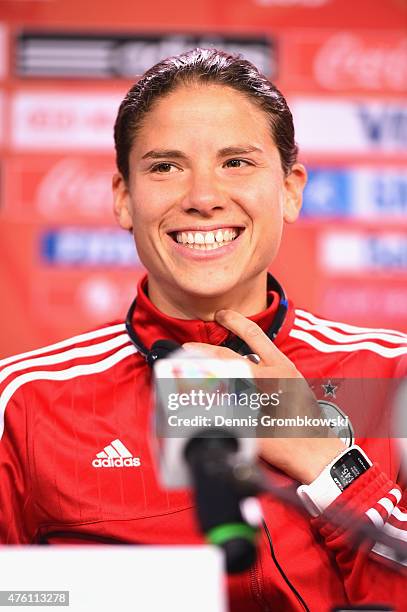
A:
<point x="294" y="186"/>
<point x="121" y="199"/>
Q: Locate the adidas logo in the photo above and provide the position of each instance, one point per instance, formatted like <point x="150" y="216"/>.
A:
<point x="115" y="455"/>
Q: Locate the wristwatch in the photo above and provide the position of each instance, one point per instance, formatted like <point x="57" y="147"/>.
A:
<point x="335" y="478"/>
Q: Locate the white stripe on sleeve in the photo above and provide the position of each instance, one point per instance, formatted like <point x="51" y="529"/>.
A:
<point x="73" y="372"/>
<point x="347" y="348"/>
<point x="75" y="353"/>
<point x="352" y="329"/>
<point x="328" y="332"/>
<point x="98" y="333"/>
<point x="375" y="517"/>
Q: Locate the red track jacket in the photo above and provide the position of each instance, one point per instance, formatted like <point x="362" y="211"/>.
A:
<point x="66" y="407"/>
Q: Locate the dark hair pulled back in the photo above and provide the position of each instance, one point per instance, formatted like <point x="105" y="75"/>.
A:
<point x="201" y="66"/>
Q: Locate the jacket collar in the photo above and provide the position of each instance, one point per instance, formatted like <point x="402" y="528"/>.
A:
<point x="152" y="325"/>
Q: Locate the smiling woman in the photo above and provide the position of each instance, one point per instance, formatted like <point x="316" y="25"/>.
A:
<point x="207" y="177"/>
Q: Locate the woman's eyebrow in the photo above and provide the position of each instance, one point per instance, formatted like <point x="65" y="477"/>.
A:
<point x="176" y="154"/>
<point x="239" y="150"/>
<point x="164" y="153"/>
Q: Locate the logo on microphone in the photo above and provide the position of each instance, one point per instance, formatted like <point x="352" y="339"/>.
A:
<point x="115" y="455"/>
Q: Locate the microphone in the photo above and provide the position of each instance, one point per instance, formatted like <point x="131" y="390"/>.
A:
<point x="218" y="498"/>
<point x="160" y="350"/>
<point x="197" y="453"/>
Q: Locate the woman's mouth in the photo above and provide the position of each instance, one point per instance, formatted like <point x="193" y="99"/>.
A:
<point x="206" y="240"/>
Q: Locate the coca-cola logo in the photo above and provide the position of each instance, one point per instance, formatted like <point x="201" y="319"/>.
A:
<point x="346" y="61"/>
<point x="74" y="188"/>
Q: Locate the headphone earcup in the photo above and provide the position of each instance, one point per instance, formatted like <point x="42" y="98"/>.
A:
<point x="160" y="350"/>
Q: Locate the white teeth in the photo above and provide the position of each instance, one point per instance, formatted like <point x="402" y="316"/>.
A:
<point x="206" y="240"/>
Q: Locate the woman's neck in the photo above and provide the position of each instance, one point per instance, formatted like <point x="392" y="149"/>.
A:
<point x="247" y="301"/>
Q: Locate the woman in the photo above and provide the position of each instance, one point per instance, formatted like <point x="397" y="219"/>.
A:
<point x="207" y="176"/>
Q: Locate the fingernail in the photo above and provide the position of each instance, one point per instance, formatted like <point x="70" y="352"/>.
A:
<point x="220" y="313"/>
<point x="253" y="357"/>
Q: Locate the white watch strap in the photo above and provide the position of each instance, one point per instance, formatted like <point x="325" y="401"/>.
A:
<point x="322" y="491"/>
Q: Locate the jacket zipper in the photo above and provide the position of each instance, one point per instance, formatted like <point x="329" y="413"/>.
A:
<point x="255" y="582"/>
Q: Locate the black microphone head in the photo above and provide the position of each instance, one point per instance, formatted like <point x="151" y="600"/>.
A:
<point x="160" y="350"/>
<point x="240" y="554"/>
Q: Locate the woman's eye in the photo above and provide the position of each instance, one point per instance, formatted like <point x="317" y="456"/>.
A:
<point x="163" y="168"/>
<point x="236" y="163"/>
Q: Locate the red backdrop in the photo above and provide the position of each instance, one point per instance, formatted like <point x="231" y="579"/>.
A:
<point x="343" y="66"/>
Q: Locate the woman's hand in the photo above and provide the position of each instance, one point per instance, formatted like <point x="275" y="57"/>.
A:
<point x="301" y="458"/>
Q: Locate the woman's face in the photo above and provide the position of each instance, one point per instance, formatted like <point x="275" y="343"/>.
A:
<point x="206" y="197"/>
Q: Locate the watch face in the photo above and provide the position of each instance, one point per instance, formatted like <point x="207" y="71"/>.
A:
<point x="348" y="467"/>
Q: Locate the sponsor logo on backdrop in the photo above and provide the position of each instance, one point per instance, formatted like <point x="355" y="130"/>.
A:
<point x="88" y="247"/>
<point x="377" y="194"/>
<point x="63" y="120"/>
<point x="341" y="300"/>
<point x="80" y="297"/>
<point x="57" y="54"/>
<point x="348" y="252"/>
<point x="349" y="61"/>
<point x="341" y="126"/>
<point x="99" y="296"/>
<point x="327" y="194"/>
<point x="104" y="299"/>
<point x="380" y="194"/>
<point x="79" y="188"/>
<point x="383" y="125"/>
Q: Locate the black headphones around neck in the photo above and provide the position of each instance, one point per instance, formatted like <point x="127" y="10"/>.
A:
<point x="162" y="348"/>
